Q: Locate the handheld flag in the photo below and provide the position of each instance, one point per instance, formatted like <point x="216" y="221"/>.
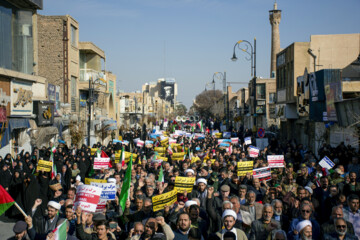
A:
<point x="53" y="149"/>
<point x="201" y="126"/>
<point x="122" y="157"/>
<point x="161" y="175"/>
<point x="6" y="200"/>
<point x="60" y="231"/>
<point x="170" y="150"/>
<point x="125" y="189"/>
<point x="104" y="155"/>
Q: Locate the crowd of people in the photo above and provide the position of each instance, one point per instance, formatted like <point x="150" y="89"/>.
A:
<point x="302" y="200"/>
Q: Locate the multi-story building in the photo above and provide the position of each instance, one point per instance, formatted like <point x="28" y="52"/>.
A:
<point x="293" y="79"/>
<point x="22" y="89"/>
<point x="73" y="68"/>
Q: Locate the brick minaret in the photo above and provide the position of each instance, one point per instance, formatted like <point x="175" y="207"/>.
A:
<point x="275" y="17"/>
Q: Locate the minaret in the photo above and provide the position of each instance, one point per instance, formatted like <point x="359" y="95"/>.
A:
<point x="275" y="17"/>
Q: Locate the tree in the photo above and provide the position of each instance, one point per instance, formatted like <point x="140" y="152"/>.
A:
<point x="206" y="103"/>
<point x="180" y="110"/>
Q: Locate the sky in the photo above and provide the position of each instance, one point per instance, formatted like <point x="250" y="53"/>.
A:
<point x="190" y="40"/>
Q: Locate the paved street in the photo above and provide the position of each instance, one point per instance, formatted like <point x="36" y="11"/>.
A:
<point x="6" y="226"/>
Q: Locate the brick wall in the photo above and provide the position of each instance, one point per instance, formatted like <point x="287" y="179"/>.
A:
<point x="50" y="47"/>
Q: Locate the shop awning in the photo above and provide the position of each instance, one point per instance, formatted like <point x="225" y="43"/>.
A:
<point x="13" y="123"/>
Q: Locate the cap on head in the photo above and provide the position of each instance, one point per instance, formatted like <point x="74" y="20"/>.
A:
<point x="225" y="188"/>
<point x="19" y="227"/>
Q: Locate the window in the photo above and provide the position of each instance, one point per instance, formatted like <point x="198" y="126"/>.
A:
<point x="260" y="91"/>
<point x="73" y="36"/>
<point x="272" y="97"/>
<point x="16" y="42"/>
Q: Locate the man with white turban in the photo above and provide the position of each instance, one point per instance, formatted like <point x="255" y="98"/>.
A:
<point x="200" y="192"/>
<point x="304" y="229"/>
<point x="229" y="218"/>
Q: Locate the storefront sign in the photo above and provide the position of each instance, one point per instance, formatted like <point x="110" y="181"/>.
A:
<point x="51" y="92"/>
<point x="44" y="113"/>
<point x="21" y="98"/>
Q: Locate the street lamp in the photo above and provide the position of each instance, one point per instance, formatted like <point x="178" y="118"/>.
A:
<point x="251" y="51"/>
<point x="91" y="96"/>
<point x="220" y="75"/>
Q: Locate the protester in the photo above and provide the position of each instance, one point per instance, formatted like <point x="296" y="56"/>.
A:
<point x="190" y="188"/>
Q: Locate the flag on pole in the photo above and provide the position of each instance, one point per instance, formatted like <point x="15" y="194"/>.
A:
<point x="104" y="155"/>
<point x="201" y="126"/>
<point x="125" y="189"/>
<point x="169" y="150"/>
<point x="6" y="200"/>
<point x="60" y="231"/>
<point x="53" y="149"/>
<point x="122" y="157"/>
<point x="53" y="169"/>
<point x="161" y="175"/>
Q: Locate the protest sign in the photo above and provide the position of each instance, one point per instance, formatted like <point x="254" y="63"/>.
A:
<point x="140" y="143"/>
<point x="101" y="163"/>
<point x="88" y="181"/>
<point x="101" y="206"/>
<point x="226" y="134"/>
<point x="44" y="166"/>
<point x="234" y="140"/>
<point x="244" y="167"/>
<point x="247" y="141"/>
<point x="160" y="201"/>
<point x="108" y="190"/>
<point x="87" y="197"/>
<point x="184" y="184"/>
<point x="326" y="163"/>
<point x="276" y="161"/>
<point x="253" y="152"/>
<point x="262" y="174"/>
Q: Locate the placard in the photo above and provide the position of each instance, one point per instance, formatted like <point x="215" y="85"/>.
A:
<point x="45" y="166"/>
<point x="101" y="163"/>
<point x="88" y="181"/>
<point x="262" y="174"/>
<point x="160" y="201"/>
<point x="234" y="140"/>
<point x="184" y="184"/>
<point x="326" y="163"/>
<point x="108" y="190"/>
<point x="140" y="143"/>
<point x="101" y="206"/>
<point x="247" y="141"/>
<point x="87" y="197"/>
<point x="276" y="161"/>
<point x="245" y="167"/>
<point x="253" y="152"/>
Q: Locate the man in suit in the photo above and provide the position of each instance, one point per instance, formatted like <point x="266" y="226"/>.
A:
<point x="279" y="216"/>
<point x="264" y="227"/>
<point x="254" y="208"/>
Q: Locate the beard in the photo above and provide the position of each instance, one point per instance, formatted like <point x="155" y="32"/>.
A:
<point x="278" y="213"/>
<point x="341" y="232"/>
<point x="303" y="237"/>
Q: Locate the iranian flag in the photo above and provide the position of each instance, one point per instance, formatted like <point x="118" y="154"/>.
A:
<point x="104" y="155"/>
<point x="122" y="157"/>
<point x="6" y="200"/>
<point x="125" y="189"/>
<point x="201" y="126"/>
<point x="170" y="150"/>
<point x="60" y="231"/>
<point x="161" y="175"/>
<point x="53" y="149"/>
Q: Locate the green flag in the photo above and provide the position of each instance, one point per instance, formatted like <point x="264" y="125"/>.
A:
<point x="124" y="195"/>
<point x="161" y="175"/>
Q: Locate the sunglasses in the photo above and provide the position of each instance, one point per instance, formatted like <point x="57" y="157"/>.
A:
<point x="306" y="211"/>
<point x="340" y="226"/>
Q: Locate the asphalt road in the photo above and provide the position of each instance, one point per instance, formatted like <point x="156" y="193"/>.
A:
<point x="6" y="227"/>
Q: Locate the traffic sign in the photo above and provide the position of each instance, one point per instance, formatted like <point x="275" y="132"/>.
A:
<point x="261" y="132"/>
